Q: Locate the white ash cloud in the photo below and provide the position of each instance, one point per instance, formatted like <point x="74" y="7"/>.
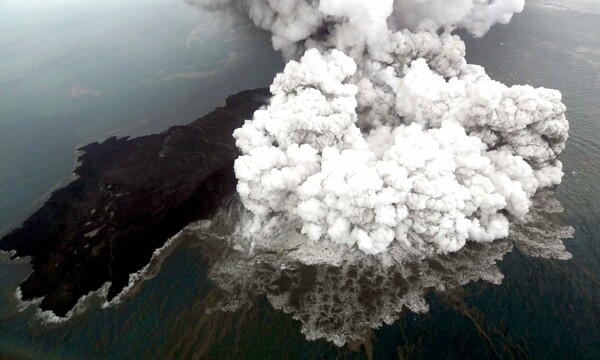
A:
<point x="341" y="301"/>
<point x="477" y="16"/>
<point x="379" y="132"/>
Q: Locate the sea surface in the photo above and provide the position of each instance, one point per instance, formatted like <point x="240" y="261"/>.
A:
<point x="72" y="72"/>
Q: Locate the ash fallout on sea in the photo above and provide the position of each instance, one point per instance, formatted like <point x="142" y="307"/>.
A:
<point x="379" y="134"/>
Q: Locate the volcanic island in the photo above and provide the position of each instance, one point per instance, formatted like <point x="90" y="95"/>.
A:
<point x="130" y="196"/>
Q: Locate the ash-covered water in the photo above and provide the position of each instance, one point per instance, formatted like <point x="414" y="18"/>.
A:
<point x="343" y="297"/>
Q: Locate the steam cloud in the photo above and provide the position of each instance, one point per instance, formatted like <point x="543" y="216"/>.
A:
<point x="343" y="301"/>
<point x="380" y="133"/>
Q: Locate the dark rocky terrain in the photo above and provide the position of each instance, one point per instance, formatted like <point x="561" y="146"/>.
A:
<point x="130" y="197"/>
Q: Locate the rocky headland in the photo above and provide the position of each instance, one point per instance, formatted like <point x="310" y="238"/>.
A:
<point x="130" y="197"/>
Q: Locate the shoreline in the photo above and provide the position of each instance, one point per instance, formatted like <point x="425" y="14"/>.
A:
<point x="129" y="200"/>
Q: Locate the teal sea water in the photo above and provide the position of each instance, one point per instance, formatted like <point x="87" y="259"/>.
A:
<point x="73" y="72"/>
<point x="127" y="69"/>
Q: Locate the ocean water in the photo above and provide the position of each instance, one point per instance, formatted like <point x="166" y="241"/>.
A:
<point x="543" y="309"/>
<point x="73" y="72"/>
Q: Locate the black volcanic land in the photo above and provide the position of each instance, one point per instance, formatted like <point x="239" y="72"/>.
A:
<point x="130" y="197"/>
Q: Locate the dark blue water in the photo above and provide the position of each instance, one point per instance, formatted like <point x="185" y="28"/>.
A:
<point x="544" y="309"/>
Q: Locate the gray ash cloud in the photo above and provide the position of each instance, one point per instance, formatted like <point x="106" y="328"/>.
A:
<point x="380" y="134"/>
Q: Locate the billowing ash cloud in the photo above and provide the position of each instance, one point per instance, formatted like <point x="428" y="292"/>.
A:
<point x="475" y="16"/>
<point x="380" y="133"/>
<point x="343" y="301"/>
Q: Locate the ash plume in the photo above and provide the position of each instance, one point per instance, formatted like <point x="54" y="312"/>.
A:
<point x="379" y="134"/>
<point x="341" y="301"/>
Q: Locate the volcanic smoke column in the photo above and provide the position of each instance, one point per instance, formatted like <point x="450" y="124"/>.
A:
<point x="378" y="130"/>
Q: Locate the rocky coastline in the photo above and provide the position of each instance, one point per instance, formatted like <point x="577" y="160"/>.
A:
<point x="130" y="197"/>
